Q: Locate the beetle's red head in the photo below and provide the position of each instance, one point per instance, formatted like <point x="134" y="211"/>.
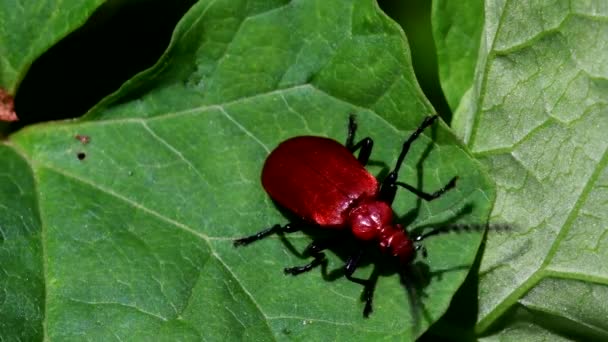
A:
<point x="373" y="220"/>
<point x="396" y="242"/>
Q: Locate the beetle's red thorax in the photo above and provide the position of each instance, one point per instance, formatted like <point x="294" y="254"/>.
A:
<point x="318" y="179"/>
<point x="367" y="219"/>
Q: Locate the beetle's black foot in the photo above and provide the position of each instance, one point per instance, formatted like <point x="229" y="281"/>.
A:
<point x="242" y="242"/>
<point x="367" y="310"/>
<point x="318" y="260"/>
<point x="451" y="184"/>
<point x="296" y="270"/>
<point x="277" y="228"/>
<point x="368" y="297"/>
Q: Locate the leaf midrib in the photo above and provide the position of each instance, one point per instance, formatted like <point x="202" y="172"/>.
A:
<point x="543" y="270"/>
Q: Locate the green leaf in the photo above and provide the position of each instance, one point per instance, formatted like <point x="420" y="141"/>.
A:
<point x="537" y="117"/>
<point x="21" y="252"/>
<point x="28" y="28"/>
<point x="457" y="30"/>
<point x="137" y="224"/>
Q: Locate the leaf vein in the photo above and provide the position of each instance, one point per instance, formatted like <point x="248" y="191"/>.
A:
<point x="238" y="281"/>
<point x="131" y="202"/>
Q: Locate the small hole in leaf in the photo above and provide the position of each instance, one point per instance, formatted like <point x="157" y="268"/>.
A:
<point x="81" y="155"/>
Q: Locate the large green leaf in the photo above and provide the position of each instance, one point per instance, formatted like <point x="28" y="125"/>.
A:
<point x="21" y="252"/>
<point x="537" y="117"/>
<point x="457" y="27"/>
<point x="137" y="224"/>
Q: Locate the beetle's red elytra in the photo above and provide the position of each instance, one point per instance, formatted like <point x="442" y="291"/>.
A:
<point x="325" y="186"/>
<point x="318" y="179"/>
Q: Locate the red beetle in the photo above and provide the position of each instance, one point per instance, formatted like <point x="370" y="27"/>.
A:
<point x="320" y="181"/>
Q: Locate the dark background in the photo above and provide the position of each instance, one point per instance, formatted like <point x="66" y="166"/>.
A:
<point x="124" y="37"/>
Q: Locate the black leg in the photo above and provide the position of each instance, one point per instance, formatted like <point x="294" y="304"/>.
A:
<point x="365" y="146"/>
<point x="406" y="145"/>
<point x="426" y="196"/>
<point x="319" y="259"/>
<point x="369" y="284"/>
<point x="314" y="250"/>
<point x="389" y="185"/>
<point x="352" y="129"/>
<point x="368" y="292"/>
<point x="351" y="265"/>
<point x="276" y="229"/>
